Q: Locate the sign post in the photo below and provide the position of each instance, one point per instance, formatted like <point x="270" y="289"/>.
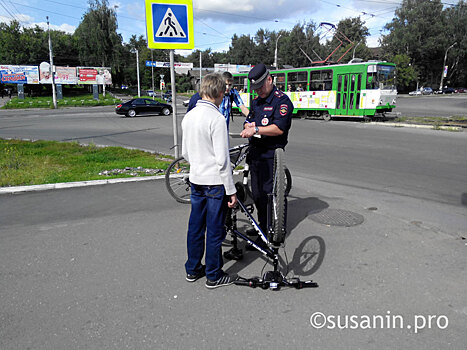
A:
<point x="169" y="25"/>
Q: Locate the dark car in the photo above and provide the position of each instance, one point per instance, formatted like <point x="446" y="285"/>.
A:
<point x="447" y="90"/>
<point x="143" y="106"/>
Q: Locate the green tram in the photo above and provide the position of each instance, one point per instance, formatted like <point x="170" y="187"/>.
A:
<point x="358" y="90"/>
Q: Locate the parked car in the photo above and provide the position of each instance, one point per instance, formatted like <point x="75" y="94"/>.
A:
<point x="427" y="91"/>
<point x="448" y="90"/>
<point x="143" y="106"/>
<point x="150" y="93"/>
<point x="461" y="90"/>
<point x="415" y="93"/>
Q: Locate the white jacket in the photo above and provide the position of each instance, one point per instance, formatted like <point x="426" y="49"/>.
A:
<point x="205" y="146"/>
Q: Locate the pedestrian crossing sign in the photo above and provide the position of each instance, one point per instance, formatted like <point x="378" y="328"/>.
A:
<point x="169" y="24"/>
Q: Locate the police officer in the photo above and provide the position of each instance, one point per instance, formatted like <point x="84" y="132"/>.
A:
<point x="270" y="118"/>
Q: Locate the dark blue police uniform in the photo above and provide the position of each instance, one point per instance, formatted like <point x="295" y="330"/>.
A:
<point x="274" y="109"/>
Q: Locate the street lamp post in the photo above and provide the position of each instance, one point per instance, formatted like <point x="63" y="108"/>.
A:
<point x="444" y="65"/>
<point x="54" y="97"/>
<point x="135" y="50"/>
<point x="275" y="52"/>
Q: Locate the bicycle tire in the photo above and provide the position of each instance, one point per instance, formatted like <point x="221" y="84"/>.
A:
<point x="278" y="209"/>
<point x="177" y="180"/>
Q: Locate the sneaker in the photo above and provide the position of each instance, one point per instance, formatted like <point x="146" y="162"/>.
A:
<point x="196" y="276"/>
<point x="225" y="280"/>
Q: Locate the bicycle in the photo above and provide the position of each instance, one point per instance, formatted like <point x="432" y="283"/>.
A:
<point x="177" y="175"/>
<point x="273" y="239"/>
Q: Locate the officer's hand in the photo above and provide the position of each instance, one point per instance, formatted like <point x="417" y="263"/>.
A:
<point x="232" y="203"/>
<point x="248" y="131"/>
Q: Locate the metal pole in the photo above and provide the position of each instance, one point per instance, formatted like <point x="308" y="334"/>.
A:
<point x="54" y="97"/>
<point x="275" y="52"/>
<point x="174" y="104"/>
<point x="152" y="73"/>
<point x="200" y="69"/>
<point x="444" y="65"/>
<point x="137" y="72"/>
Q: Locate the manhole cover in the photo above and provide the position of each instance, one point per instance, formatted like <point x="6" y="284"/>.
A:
<point x="336" y="217"/>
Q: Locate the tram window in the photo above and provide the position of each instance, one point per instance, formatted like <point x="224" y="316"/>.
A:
<point x="321" y="80"/>
<point x="339" y="84"/>
<point x="296" y="81"/>
<point x="279" y="80"/>
<point x="352" y="85"/>
<point x="240" y="83"/>
<point x="372" y="81"/>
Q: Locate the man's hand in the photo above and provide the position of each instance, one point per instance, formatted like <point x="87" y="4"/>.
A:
<point x="232" y="203"/>
<point x="248" y="130"/>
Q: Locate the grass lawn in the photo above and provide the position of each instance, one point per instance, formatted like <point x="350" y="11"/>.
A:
<point x="43" y="162"/>
<point x="47" y="102"/>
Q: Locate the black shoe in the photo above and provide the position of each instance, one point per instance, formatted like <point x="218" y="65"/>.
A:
<point x="233" y="254"/>
<point x="225" y="280"/>
<point x="251" y="232"/>
<point x="196" y="276"/>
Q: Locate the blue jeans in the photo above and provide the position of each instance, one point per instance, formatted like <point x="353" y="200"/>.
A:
<point x="207" y="218"/>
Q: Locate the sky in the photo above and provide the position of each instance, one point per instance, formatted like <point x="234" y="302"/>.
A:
<point x="215" y="21"/>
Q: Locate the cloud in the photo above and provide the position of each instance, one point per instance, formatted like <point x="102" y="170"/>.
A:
<point x="251" y="11"/>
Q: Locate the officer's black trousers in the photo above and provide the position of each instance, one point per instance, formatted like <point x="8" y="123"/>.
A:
<point x="261" y="184"/>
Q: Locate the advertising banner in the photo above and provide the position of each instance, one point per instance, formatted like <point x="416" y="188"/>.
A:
<point x="167" y="64"/>
<point x="11" y="74"/>
<point x="87" y="75"/>
<point x="93" y="75"/>
<point x="65" y="75"/>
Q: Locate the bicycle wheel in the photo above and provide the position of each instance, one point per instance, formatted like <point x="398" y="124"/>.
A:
<point x="278" y="209"/>
<point x="177" y="180"/>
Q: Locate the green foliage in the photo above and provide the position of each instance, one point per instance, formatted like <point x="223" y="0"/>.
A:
<point x="423" y="30"/>
<point x="405" y="72"/>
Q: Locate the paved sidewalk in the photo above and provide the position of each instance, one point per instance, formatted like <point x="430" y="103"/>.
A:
<point x="101" y="267"/>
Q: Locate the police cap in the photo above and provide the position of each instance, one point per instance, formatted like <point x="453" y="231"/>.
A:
<point x="258" y="75"/>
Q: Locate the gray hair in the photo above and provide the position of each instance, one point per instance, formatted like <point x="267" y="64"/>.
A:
<point x="212" y="86"/>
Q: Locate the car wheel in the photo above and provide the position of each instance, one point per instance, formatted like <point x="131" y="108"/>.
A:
<point x="131" y="113"/>
<point x="166" y="111"/>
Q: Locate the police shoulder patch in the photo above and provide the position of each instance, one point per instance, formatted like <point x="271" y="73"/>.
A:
<point x="278" y="93"/>
<point x="283" y="109"/>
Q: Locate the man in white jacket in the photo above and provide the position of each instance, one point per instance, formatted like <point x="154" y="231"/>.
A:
<point x="205" y="146"/>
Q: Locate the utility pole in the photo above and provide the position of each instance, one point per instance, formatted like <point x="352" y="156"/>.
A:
<point x="275" y="52"/>
<point x="152" y="73"/>
<point x="137" y="72"/>
<point x="444" y="65"/>
<point x="174" y="105"/>
<point x="54" y="97"/>
<point x="200" y="68"/>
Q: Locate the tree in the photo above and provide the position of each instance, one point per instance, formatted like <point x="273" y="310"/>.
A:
<point x="405" y="72"/>
<point x="97" y="38"/>
<point x="418" y="31"/>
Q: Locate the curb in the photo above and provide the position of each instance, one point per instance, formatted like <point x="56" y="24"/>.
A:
<point x="62" y="185"/>
<point x="418" y="126"/>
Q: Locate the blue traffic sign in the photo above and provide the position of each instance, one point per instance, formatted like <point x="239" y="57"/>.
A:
<point x="169" y="24"/>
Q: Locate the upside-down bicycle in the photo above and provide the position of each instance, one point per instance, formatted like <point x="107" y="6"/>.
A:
<point x="178" y="185"/>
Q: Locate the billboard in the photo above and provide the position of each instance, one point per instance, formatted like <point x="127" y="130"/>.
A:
<point x="93" y="75"/>
<point x="11" y="74"/>
<point x="65" y="75"/>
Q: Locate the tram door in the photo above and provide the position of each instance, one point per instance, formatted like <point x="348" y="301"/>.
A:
<point x="348" y="94"/>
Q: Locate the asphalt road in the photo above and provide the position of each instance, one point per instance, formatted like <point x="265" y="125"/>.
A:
<point x="432" y="105"/>
<point x="102" y="267"/>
